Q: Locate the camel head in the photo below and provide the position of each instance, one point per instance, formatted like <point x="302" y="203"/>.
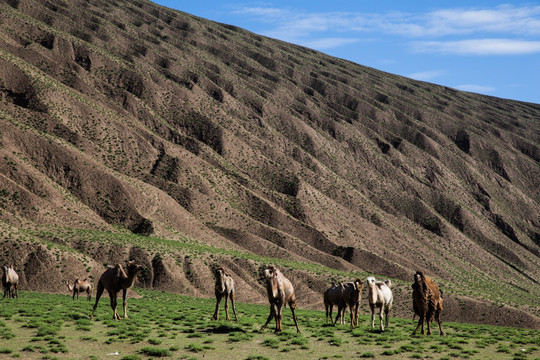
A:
<point x="133" y="268"/>
<point x="270" y="272"/>
<point x="219" y="273"/>
<point x="419" y="277"/>
<point x="370" y="281"/>
<point x="358" y="284"/>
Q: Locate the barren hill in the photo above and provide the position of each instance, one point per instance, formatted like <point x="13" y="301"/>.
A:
<point x="216" y="145"/>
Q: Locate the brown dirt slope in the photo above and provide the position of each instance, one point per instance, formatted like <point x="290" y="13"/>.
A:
<point x="125" y="117"/>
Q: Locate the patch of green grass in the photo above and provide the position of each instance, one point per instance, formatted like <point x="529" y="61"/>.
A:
<point x="155" y="352"/>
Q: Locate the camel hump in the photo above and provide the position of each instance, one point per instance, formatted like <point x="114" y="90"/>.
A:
<point x="388" y="283"/>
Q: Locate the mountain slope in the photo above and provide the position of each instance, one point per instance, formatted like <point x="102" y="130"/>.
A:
<point x="127" y="117"/>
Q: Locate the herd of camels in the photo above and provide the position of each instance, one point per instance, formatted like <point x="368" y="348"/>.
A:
<point x="427" y="299"/>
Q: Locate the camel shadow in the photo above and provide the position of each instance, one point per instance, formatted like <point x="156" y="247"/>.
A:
<point x="225" y="329"/>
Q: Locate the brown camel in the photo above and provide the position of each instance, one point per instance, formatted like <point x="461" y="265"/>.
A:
<point x="343" y="295"/>
<point x="427" y="302"/>
<point x="115" y="279"/>
<point x="10" y="280"/>
<point x="351" y="297"/>
<point x="80" y="286"/>
<point x="280" y="293"/>
<point x="224" y="288"/>
<point x="334" y="296"/>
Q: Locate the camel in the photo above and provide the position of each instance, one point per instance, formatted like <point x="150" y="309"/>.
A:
<point x="80" y="286"/>
<point x="334" y="296"/>
<point x="344" y="295"/>
<point x="427" y="302"/>
<point x="224" y="288"/>
<point x="380" y="296"/>
<point x="115" y="279"/>
<point x="280" y="293"/>
<point x="10" y="280"/>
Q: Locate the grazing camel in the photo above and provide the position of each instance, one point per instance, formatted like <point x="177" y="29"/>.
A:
<point x="280" y="293"/>
<point x="380" y="296"/>
<point x="224" y="288"/>
<point x="80" y="286"/>
<point x="427" y="302"/>
<point x="344" y="295"/>
<point x="10" y="280"/>
<point x="115" y="279"/>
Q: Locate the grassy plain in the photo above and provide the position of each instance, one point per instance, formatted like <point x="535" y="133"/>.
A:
<point x="164" y="325"/>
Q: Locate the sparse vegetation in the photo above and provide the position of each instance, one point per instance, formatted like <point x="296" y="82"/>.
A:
<point x="158" y="310"/>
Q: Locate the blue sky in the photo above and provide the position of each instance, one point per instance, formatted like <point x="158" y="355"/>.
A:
<point x="484" y="46"/>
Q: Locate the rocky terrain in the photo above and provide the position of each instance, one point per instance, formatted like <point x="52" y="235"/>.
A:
<point x="129" y="130"/>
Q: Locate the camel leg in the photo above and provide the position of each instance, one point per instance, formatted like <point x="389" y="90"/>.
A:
<point x="279" y="317"/>
<point x="356" y="306"/>
<point x="114" y="304"/>
<point x="429" y="319"/>
<point x="293" y="310"/>
<point x="272" y="314"/>
<point x="381" y="320"/>
<point x="420" y="323"/>
<point x="227" y="308"/>
<point x="372" y="315"/>
<point x="386" y="312"/>
<point x="326" y="308"/>
<point x="438" y="318"/>
<point x="89" y="296"/>
<point x="216" y="312"/>
<point x="15" y="292"/>
<point x="351" y="309"/>
<point x="99" y="292"/>
<point x="338" y="316"/>
<point x="233" y="307"/>
<point x="124" y="303"/>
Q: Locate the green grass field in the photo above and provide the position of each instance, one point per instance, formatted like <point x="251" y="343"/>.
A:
<point x="47" y="326"/>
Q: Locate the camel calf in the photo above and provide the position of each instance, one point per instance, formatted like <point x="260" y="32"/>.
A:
<point x="427" y="302"/>
<point x="380" y="296"/>
<point x="224" y="288"/>
<point x="115" y="279"/>
<point x="280" y="293"/>
<point x="10" y="280"/>
<point x="80" y="286"/>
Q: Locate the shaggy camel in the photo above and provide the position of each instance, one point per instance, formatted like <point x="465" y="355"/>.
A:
<point x="115" y="279"/>
<point x="80" y="286"/>
<point x="280" y="293"/>
<point x="427" y="302"/>
<point x="224" y="288"/>
<point x="10" y="280"/>
<point x="344" y="295"/>
<point x="380" y="296"/>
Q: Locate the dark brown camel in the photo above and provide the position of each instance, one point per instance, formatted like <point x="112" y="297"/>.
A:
<point x="115" y="279"/>
<point x="427" y="302"/>
<point x="80" y="286"/>
<point x="280" y="293"/>
<point x="224" y="288"/>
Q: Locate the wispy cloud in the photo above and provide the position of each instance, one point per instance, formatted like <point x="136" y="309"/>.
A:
<point x="328" y="43"/>
<point x="500" y="26"/>
<point x="426" y="75"/>
<point x="479" y="47"/>
<point x="476" y="88"/>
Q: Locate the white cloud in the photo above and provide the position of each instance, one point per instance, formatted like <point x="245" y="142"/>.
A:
<point x="504" y="19"/>
<point x="426" y="75"/>
<point x="479" y="47"/>
<point x="328" y="43"/>
<point x="476" y="88"/>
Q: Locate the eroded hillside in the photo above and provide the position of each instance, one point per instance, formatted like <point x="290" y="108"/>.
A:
<point x="127" y="117"/>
